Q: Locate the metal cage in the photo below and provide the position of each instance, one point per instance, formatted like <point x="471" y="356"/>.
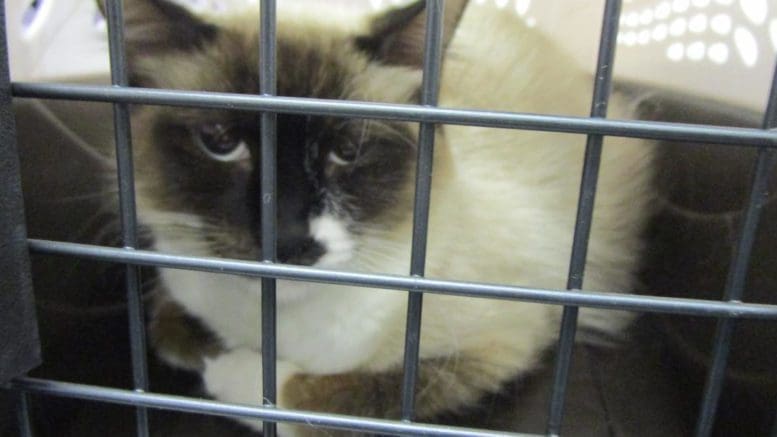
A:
<point x="595" y="127"/>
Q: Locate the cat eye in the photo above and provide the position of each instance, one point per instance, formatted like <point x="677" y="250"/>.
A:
<point x="221" y="142"/>
<point x="343" y="153"/>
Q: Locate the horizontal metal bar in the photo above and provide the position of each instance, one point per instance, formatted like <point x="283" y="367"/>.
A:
<point x="639" y="303"/>
<point x="298" y="105"/>
<point x="214" y="408"/>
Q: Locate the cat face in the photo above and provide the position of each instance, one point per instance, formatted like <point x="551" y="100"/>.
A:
<point x="338" y="179"/>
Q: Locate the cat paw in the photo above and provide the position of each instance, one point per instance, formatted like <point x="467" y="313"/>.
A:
<point x="236" y="377"/>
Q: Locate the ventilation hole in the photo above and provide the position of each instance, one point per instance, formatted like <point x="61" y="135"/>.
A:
<point x="643" y="38"/>
<point x="629" y="38"/>
<point x="675" y="52"/>
<point x="522" y="7"/>
<point x="197" y="5"/>
<point x="696" y="50"/>
<point x="663" y="10"/>
<point x="501" y="4"/>
<point x="718" y="53"/>
<point x="660" y="32"/>
<point x="721" y="24"/>
<point x="754" y="10"/>
<point x="698" y="23"/>
<point x="31" y="14"/>
<point x="747" y="46"/>
<point x="677" y="28"/>
<point x="773" y="33"/>
<point x="632" y="19"/>
<point x="646" y="17"/>
<point x="98" y="21"/>
<point x="680" y="5"/>
<point x="219" y="7"/>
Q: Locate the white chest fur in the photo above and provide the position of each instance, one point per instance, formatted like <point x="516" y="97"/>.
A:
<point x="324" y="328"/>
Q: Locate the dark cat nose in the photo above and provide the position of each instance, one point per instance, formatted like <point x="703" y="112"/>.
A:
<point x="295" y="245"/>
<point x="303" y="251"/>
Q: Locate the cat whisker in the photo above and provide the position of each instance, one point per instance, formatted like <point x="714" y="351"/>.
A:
<point x="98" y="236"/>
<point x="82" y="197"/>
<point x="363" y="137"/>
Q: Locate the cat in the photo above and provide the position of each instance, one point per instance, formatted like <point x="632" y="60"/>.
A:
<point x="502" y="210"/>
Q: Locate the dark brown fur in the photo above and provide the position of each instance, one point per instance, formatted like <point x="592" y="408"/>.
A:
<point x="182" y="179"/>
<point x="177" y="177"/>
<point x="177" y="334"/>
<point x="443" y="386"/>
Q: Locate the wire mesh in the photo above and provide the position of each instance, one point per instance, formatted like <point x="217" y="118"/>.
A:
<point x="267" y="87"/>
<point x="735" y="283"/>
<point x="596" y="127"/>
<point x="733" y="136"/>
<point x="593" y="299"/>
<point x="203" y="406"/>
<point x="129" y="226"/>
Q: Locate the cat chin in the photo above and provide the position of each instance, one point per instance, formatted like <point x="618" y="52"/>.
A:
<point x="332" y="233"/>
<point x="291" y="292"/>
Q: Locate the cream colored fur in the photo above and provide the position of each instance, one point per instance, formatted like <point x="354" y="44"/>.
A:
<point x="503" y="211"/>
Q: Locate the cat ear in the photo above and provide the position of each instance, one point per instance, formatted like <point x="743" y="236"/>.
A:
<point x="156" y="26"/>
<point x="396" y="37"/>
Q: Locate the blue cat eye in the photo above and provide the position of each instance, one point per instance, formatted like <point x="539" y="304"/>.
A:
<point x="343" y="153"/>
<point x="220" y="142"/>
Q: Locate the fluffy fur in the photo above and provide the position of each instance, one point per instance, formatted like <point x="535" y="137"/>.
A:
<point x="503" y="204"/>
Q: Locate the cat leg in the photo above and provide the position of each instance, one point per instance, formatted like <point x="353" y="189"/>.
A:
<point x="444" y="385"/>
<point x="236" y="376"/>
<point x="179" y="339"/>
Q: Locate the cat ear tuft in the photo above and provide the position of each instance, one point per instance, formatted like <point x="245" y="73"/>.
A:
<point x="157" y="26"/>
<point x="396" y="37"/>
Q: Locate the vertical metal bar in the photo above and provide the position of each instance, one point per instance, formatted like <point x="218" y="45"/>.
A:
<point x="737" y="274"/>
<point x="121" y="121"/>
<point x="774" y="426"/>
<point x="268" y="87"/>
<point x="23" y="414"/>
<point x="593" y="153"/>
<point x="423" y="186"/>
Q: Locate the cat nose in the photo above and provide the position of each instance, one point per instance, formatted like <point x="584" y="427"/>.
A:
<point x="304" y="251"/>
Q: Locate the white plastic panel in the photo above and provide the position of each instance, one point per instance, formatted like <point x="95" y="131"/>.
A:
<point x="724" y="49"/>
<point x="56" y="39"/>
<point x="717" y="48"/>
